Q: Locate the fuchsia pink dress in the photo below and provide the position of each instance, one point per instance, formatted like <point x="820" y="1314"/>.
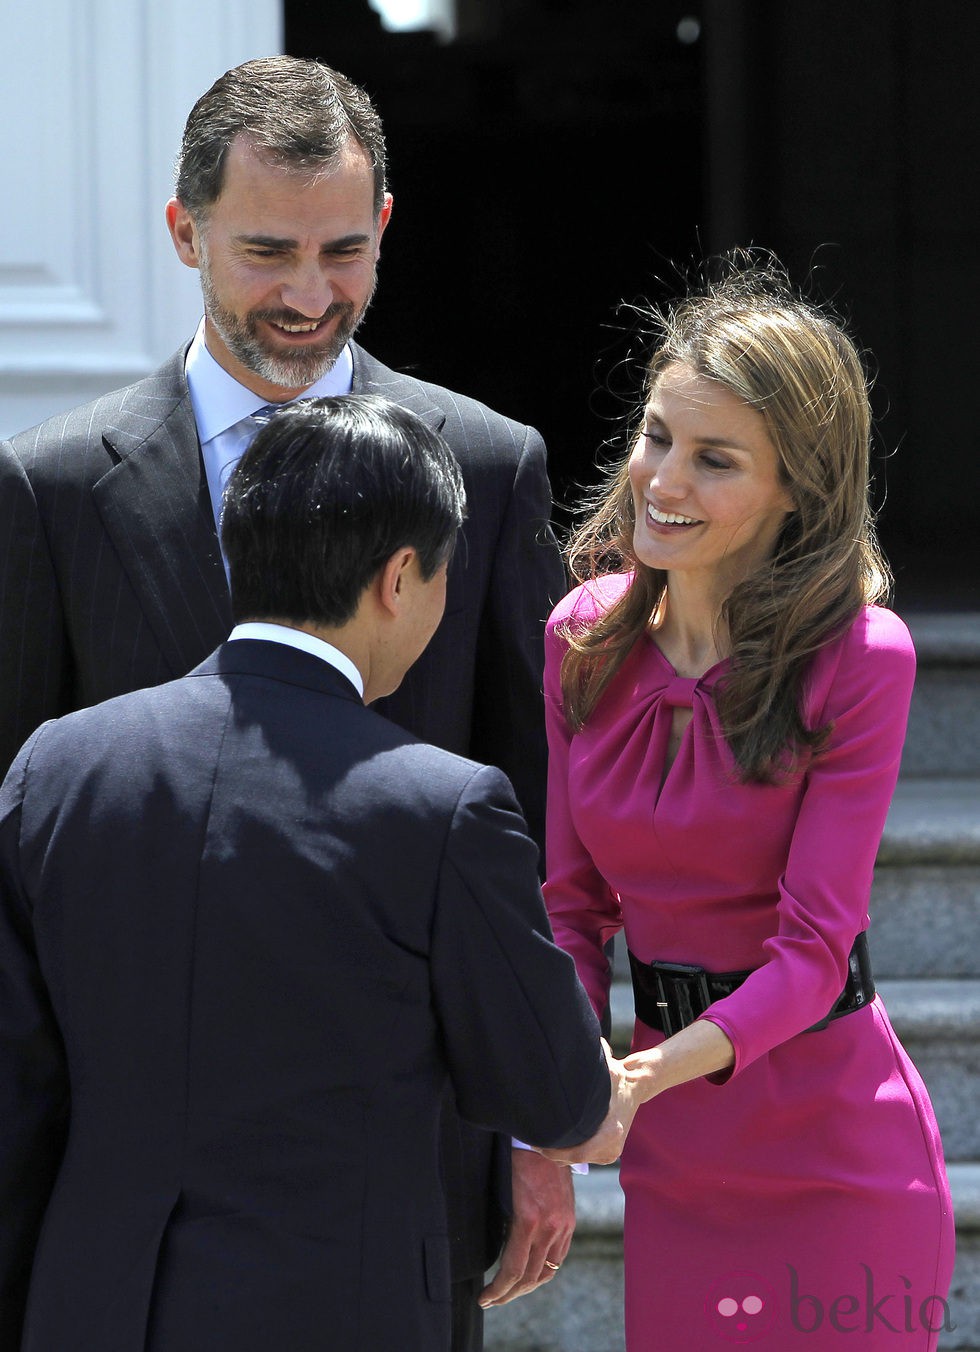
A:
<point x="802" y="1202"/>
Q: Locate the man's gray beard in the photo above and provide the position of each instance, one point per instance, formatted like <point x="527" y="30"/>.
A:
<point x="293" y="370"/>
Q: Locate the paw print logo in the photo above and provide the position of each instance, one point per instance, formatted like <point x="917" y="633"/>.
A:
<point x="740" y="1308"/>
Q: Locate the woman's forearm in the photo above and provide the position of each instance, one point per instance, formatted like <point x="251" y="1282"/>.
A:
<point x="700" y="1049"/>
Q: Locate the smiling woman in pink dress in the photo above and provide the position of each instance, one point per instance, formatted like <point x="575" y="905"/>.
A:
<point x="727" y="705"/>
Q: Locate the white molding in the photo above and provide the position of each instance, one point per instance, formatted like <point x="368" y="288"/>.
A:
<point x="92" y="105"/>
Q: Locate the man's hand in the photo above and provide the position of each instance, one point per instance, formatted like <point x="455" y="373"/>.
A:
<point x="540" y="1229"/>
<point x="606" y="1146"/>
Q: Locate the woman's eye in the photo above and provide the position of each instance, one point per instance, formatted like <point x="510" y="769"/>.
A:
<point x="713" y="462"/>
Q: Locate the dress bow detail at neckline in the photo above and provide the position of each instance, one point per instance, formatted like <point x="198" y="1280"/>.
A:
<point x="679" y="693"/>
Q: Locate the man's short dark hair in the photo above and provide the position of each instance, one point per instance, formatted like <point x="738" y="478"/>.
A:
<point x="328" y="490"/>
<point x="298" y="114"/>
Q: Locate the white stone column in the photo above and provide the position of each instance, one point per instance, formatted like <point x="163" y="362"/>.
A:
<point x="93" y="98"/>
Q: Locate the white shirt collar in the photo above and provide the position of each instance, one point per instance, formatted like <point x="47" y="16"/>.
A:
<point x="219" y="400"/>
<point x="307" y="643"/>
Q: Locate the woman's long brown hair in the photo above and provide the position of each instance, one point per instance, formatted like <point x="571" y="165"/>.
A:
<point x="797" y="367"/>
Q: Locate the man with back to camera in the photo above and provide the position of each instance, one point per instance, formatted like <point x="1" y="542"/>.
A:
<point x="248" y="930"/>
<point x="111" y="577"/>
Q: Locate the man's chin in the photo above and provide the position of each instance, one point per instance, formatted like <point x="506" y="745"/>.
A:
<point x="299" y="368"/>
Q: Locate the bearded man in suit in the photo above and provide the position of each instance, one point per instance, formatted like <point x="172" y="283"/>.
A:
<point x="249" y="932"/>
<point x="111" y="575"/>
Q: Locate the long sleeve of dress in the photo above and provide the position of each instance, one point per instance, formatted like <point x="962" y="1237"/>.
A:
<point x="583" y="908"/>
<point x="862" y="686"/>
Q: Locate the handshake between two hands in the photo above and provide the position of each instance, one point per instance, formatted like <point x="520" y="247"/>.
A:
<point x="606" y="1146"/>
<point x="702" y="1048"/>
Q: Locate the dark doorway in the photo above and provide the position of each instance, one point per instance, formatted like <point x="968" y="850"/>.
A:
<point x="544" y="168"/>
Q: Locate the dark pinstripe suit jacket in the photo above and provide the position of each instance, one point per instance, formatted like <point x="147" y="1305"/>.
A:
<point x="111" y="579"/>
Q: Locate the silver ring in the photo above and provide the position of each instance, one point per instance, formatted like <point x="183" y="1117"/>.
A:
<point x="549" y="1264"/>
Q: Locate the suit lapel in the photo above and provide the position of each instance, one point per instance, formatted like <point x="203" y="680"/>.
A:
<point x="155" y="507"/>
<point x="372" y="377"/>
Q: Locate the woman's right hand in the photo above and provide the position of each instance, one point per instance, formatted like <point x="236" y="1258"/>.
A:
<point x="700" y="1049"/>
<point x="606" y="1146"/>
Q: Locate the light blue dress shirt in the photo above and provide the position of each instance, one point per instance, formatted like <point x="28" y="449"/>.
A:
<point x="223" y="409"/>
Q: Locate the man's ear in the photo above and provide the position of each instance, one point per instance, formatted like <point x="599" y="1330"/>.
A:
<point x="393" y="579"/>
<point x="184" y="233"/>
<point x="383" y="217"/>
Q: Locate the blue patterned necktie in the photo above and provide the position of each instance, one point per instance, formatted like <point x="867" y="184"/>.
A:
<point x="267" y="412"/>
<point x="259" y="419"/>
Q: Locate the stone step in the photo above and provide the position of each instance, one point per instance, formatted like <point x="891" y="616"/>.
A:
<point x="933" y="821"/>
<point x="581" y="1310"/>
<point x="944" y="723"/>
<point x="938" y="1023"/>
<point x="925" y="920"/>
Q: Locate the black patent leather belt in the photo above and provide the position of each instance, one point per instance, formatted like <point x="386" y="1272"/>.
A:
<point x="668" y="995"/>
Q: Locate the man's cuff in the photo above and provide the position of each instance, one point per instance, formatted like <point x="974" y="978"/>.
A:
<point x="575" y="1168"/>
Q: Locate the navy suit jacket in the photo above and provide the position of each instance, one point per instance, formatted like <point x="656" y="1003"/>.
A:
<point x="250" y="932"/>
<point x="111" y="579"/>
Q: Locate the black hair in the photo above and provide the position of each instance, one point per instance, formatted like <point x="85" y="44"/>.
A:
<point x="328" y="490"/>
